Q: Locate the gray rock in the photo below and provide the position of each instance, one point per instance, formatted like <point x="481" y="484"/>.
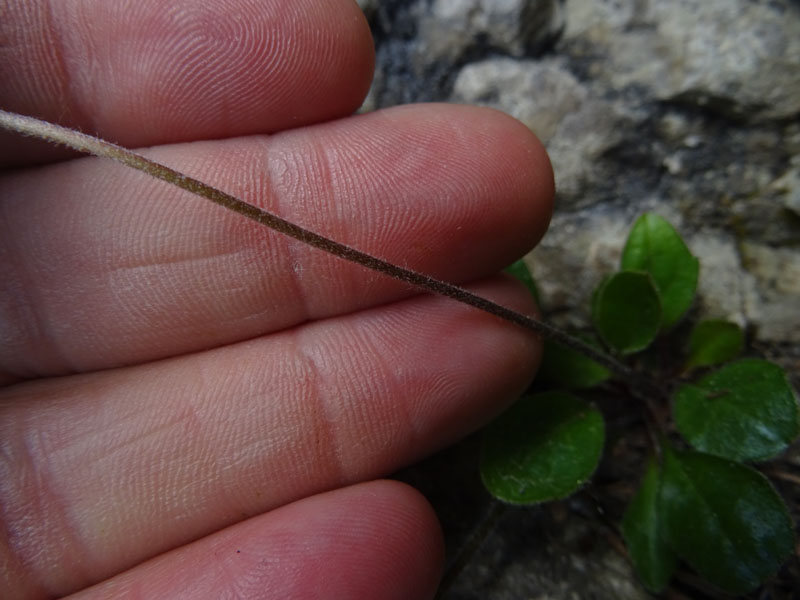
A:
<point x="451" y="28"/>
<point x="422" y="43"/>
<point x="777" y="274"/>
<point x="738" y="57"/>
<point x="576" y="127"/>
<point x="598" y="20"/>
<point x="787" y="187"/>
<point x="725" y="290"/>
<point x="541" y="94"/>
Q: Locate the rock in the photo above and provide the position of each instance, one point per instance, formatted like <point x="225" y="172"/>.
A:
<point x="581" y="141"/>
<point x="735" y="57"/>
<point x="725" y="291"/>
<point x="787" y="187"/>
<point x="538" y="93"/>
<point x="776" y="312"/>
<point x="421" y="43"/>
<point x="451" y="28"/>
<point x="599" y="19"/>
<point x="402" y="75"/>
<point x="576" y="127"/>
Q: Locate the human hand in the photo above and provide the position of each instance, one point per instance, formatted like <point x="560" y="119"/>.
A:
<point x="195" y="406"/>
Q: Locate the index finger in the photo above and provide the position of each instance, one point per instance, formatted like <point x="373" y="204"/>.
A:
<point x="155" y="72"/>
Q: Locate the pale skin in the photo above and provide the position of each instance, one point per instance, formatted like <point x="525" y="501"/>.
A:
<point x="196" y="407"/>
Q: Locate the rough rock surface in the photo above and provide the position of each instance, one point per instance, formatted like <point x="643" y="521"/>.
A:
<point x="737" y="57"/>
<point x="687" y="108"/>
<point x="450" y="29"/>
<point x="577" y="126"/>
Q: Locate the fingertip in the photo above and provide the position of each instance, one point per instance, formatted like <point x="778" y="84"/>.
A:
<point x="157" y="74"/>
<point x="415" y="547"/>
<point x="512" y="162"/>
<point x="523" y="159"/>
<point x="379" y="539"/>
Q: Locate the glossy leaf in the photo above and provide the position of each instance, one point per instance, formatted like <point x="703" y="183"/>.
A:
<point x="654" y="246"/>
<point x="744" y="411"/>
<point x="714" y="342"/>
<point x="543" y="448"/>
<point x="568" y="369"/>
<point x="521" y="271"/>
<point x="724" y="519"/>
<point x="652" y="557"/>
<point x="626" y="311"/>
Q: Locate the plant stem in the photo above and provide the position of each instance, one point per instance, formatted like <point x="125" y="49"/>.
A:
<point x="468" y="549"/>
<point x="98" y="147"/>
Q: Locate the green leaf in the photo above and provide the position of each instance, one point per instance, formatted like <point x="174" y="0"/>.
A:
<point x="521" y="271"/>
<point x="626" y="311"/>
<point x="724" y="519"/>
<point x="652" y="557"/>
<point x="543" y="448"/>
<point x="744" y="411"/>
<point x="714" y="342"/>
<point x="569" y="369"/>
<point x="655" y="247"/>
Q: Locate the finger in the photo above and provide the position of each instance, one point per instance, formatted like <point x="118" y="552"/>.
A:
<point x="92" y="253"/>
<point x="158" y="72"/>
<point x="373" y="540"/>
<point x="104" y="470"/>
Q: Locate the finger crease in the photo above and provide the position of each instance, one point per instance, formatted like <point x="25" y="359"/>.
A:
<point x="37" y="522"/>
<point x="71" y="108"/>
<point x="326" y="444"/>
<point x="27" y="333"/>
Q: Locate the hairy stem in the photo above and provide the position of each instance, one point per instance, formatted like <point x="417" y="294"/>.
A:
<point x="467" y="551"/>
<point x="98" y="147"/>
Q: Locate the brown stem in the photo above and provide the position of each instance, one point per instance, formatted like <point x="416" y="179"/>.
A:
<point x="92" y="145"/>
